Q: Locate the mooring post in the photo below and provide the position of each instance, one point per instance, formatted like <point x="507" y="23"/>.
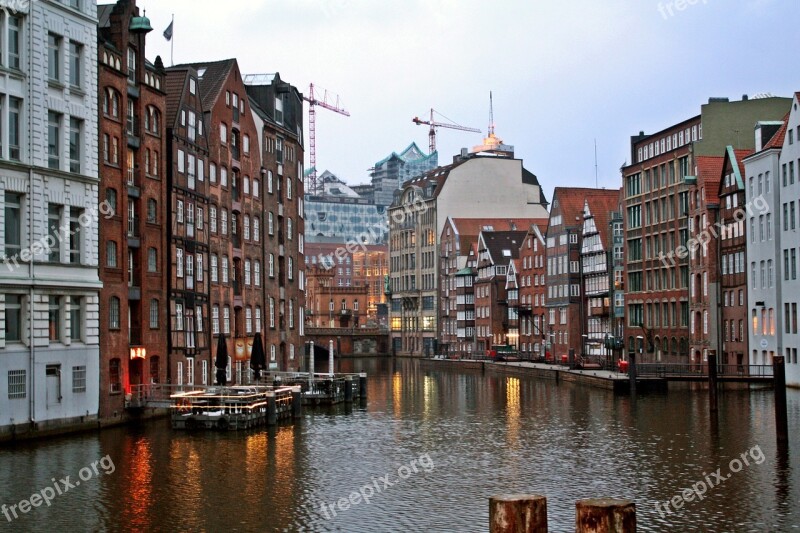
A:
<point x="779" y="384"/>
<point x="605" y="515"/>
<point x="297" y="402"/>
<point x="632" y="371"/>
<point x="518" y="513"/>
<point x="272" y="409"/>
<point x="348" y="389"/>
<point x="362" y="385"/>
<point x="712" y="380"/>
<point x="311" y="368"/>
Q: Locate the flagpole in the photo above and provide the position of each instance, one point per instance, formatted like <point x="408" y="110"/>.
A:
<point x="172" y="43"/>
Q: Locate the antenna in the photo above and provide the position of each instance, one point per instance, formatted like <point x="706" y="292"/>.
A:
<point x="595" y="164"/>
<point x="491" y="115"/>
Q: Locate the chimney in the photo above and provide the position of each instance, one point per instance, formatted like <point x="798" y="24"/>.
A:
<point x="745" y="98"/>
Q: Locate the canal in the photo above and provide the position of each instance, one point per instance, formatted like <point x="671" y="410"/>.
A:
<point x="427" y="450"/>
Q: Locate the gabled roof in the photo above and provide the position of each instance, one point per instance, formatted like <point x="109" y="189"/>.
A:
<point x="175" y="87"/>
<point x="570" y="201"/>
<point x="777" y="140"/>
<point x="709" y="173"/>
<point x="215" y="73"/>
<point x="502" y="246"/>
<point x="736" y="157"/>
<point x="601" y="204"/>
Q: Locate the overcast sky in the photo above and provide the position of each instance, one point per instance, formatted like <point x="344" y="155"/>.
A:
<point x="563" y="73"/>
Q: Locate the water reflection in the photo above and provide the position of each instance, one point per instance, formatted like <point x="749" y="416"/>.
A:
<point x="485" y="435"/>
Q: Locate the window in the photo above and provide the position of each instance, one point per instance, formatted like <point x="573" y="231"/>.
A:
<point x="289" y="230"/>
<point x="223" y="133"/>
<point x="75" y="130"/>
<point x="75" y="63"/>
<point x="225" y="269"/>
<point x="76" y="318"/>
<point x="212" y="217"/>
<point x="114" y="376"/>
<point x="224" y="222"/>
<point x="53" y="140"/>
<point x="215" y="320"/>
<point x="78" y="379"/>
<point x="53" y="57"/>
<point x="258" y="320"/>
<point x="54" y="231"/>
<point x="256" y="229"/>
<point x="214" y="269"/>
<point x="14" y="110"/>
<point x="131" y="65"/>
<point x="212" y="172"/>
<point x="152" y="211"/>
<point x="17" y="384"/>
<point x="179" y="262"/>
<point x="154" y="314"/>
<point x="226" y="319"/>
<point x="13" y="320"/>
<point x="271" y="266"/>
<point x="271" y="224"/>
<point x="113" y="313"/>
<point x="54" y="318"/>
<point x="111" y="254"/>
<point x="272" y="312"/>
<point x="152" y="260"/>
<point x="13" y="224"/>
<point x="14" y="27"/>
<point x="257" y="273"/>
<point x="223" y="176"/>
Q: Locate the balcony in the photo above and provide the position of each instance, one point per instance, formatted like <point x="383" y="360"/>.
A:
<point x="133" y="232"/>
<point x="599" y="310"/>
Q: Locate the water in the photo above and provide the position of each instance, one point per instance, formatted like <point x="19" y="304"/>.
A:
<point x="469" y="436"/>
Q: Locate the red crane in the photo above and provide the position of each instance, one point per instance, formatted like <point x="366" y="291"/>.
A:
<point x="331" y="104"/>
<point x="434" y="124"/>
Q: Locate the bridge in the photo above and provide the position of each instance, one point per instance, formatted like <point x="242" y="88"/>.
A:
<point x="689" y="372"/>
<point x="349" y="341"/>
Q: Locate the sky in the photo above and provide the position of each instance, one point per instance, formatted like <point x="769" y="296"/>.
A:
<point x="565" y="74"/>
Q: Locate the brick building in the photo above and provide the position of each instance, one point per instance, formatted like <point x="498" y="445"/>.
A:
<point x="597" y="248"/>
<point x="330" y="305"/>
<point x="532" y="282"/>
<point x="189" y="219"/>
<point x="353" y="266"/>
<point x="133" y="266"/>
<point x="564" y="301"/>
<point x="278" y="115"/>
<point x="494" y="325"/>
<point x="656" y="185"/>
<point x="457" y="268"/>
<point x="236" y="293"/>
<point x="733" y="260"/>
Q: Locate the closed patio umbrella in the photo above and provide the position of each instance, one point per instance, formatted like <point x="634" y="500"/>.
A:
<point x="258" y="357"/>
<point x="222" y="360"/>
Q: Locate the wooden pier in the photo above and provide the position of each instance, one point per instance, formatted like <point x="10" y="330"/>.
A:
<point x="277" y="396"/>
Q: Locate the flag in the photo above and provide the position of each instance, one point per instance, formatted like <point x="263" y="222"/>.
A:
<point x="168" y="31"/>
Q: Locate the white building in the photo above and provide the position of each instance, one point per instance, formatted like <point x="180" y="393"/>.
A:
<point x="789" y="247"/>
<point x="49" y="349"/>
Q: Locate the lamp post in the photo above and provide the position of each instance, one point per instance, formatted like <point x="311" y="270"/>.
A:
<point x="584" y="345"/>
<point x="632" y="367"/>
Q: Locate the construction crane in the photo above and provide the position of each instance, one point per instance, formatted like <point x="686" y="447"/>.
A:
<point x="330" y="103"/>
<point x="434" y="124"/>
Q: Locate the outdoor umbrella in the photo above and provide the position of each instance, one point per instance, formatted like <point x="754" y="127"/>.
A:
<point x="258" y="357"/>
<point x="222" y="360"/>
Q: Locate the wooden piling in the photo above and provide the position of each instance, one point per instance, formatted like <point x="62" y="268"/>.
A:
<point x="605" y="515"/>
<point x="712" y="380"/>
<point x="348" y="389"/>
<point x="272" y="410"/>
<point x="779" y="384"/>
<point x="632" y="371"/>
<point x="519" y="513"/>
<point x="362" y="386"/>
<point x="297" y="402"/>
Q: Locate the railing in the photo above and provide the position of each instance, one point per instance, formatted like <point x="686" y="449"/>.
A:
<point x="690" y="370"/>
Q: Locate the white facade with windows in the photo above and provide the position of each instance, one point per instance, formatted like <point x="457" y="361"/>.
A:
<point x="49" y="283"/>
<point x="788" y="247"/>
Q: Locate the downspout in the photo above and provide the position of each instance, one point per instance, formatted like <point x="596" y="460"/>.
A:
<point x="31" y="269"/>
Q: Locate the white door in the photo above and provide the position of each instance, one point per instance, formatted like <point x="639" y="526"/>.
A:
<point x="53" y="373"/>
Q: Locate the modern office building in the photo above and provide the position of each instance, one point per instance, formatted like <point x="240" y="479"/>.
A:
<point x="346" y="220"/>
<point x="132" y="151"/>
<point x="49" y="279"/>
<point x="392" y="172"/>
